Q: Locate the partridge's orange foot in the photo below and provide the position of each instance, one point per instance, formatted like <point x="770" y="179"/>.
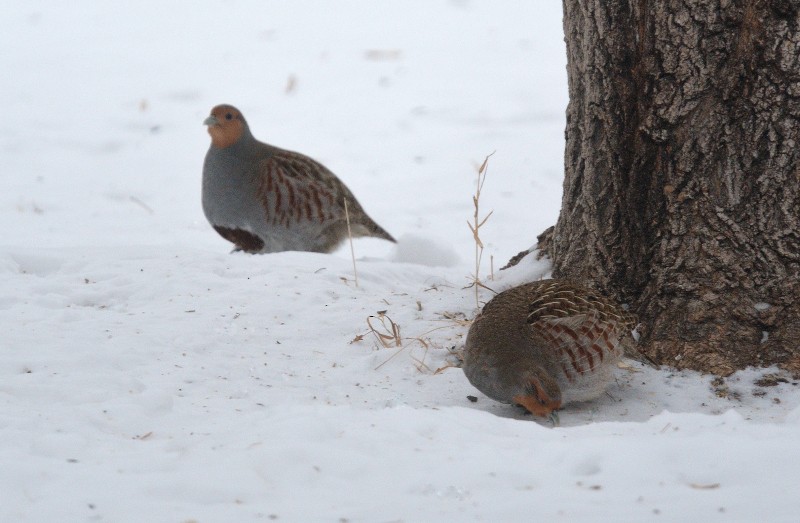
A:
<point x="265" y="199"/>
<point x="545" y="344"/>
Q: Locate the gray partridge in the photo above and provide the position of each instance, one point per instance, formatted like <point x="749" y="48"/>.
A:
<point x="545" y="344"/>
<point x="265" y="199"/>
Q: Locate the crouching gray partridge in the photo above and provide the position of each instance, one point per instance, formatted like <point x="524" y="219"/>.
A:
<point x="545" y="344"/>
<point x="265" y="199"/>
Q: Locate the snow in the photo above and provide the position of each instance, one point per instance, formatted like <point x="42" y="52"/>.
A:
<point x="149" y="375"/>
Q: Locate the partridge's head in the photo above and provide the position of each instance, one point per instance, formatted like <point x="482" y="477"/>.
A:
<point x="225" y="125"/>
<point x="539" y="393"/>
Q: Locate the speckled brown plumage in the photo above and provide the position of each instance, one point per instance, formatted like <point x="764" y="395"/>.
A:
<point x="545" y="344"/>
<point x="266" y="199"/>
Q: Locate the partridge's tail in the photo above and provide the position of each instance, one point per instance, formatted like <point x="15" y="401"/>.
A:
<point x="379" y="232"/>
<point x="363" y="225"/>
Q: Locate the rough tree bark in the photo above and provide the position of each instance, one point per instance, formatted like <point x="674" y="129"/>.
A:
<point x="681" y="192"/>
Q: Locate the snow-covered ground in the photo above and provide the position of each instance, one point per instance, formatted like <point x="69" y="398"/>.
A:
<point x="146" y="374"/>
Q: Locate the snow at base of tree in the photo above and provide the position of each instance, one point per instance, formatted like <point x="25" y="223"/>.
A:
<point x="147" y="374"/>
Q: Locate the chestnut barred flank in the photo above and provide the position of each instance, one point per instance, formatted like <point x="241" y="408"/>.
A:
<point x="546" y="344"/>
<point x="265" y="199"/>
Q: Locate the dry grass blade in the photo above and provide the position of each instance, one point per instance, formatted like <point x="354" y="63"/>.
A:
<point x="481" y="285"/>
<point x="390" y="358"/>
<point x="420" y="362"/>
<point x="475" y="226"/>
<point x="485" y="218"/>
<point x="484" y="164"/>
<point x="387" y="333"/>
<point x="458" y="320"/>
<point x="350" y="237"/>
<point x="444" y="368"/>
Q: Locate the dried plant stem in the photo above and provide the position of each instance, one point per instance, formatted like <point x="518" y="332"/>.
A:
<point x="477" y="223"/>
<point x="350" y="237"/>
<point x="390" y="333"/>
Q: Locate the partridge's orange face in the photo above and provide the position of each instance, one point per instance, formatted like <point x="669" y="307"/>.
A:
<point x="225" y="125"/>
<point x="542" y="395"/>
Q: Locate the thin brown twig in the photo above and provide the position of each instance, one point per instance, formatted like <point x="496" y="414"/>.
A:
<point x="475" y="226"/>
<point x="350" y="237"/>
<point x="392" y="331"/>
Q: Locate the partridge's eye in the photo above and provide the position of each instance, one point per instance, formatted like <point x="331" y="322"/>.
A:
<point x="229" y="116"/>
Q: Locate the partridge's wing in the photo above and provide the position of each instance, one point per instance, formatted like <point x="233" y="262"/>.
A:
<point x="582" y="327"/>
<point x="291" y="196"/>
<point x="295" y="189"/>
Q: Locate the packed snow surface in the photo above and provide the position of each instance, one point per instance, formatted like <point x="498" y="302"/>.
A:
<point x="147" y="374"/>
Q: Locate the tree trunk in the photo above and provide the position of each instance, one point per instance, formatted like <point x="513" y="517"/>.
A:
<point x="681" y="186"/>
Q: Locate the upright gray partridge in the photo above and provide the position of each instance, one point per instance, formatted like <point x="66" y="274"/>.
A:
<point x="265" y="199"/>
<point x="545" y="344"/>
